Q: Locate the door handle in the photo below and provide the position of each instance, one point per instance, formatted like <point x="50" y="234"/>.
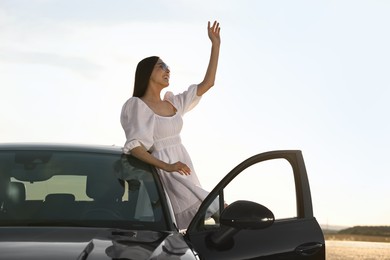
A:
<point x="309" y="248"/>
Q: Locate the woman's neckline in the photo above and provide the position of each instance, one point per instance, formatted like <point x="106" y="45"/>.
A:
<point x="155" y="112"/>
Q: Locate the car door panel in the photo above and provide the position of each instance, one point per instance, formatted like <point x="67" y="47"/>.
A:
<point x="298" y="237"/>
<point x="290" y="239"/>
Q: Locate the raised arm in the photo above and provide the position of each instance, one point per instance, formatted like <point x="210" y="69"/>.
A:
<point x="209" y="78"/>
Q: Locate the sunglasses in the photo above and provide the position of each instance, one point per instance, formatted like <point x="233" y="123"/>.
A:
<point x="163" y="66"/>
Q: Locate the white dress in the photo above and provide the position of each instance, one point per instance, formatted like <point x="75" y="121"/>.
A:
<point x="161" y="136"/>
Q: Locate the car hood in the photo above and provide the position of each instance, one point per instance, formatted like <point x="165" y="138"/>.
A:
<point x="90" y="244"/>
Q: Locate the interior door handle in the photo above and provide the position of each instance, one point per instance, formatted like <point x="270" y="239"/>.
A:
<point x="309" y="248"/>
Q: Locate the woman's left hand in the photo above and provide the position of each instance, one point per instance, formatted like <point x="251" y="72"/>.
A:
<point x="213" y="33"/>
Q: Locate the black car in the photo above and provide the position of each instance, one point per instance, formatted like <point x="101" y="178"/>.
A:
<point x="94" y="202"/>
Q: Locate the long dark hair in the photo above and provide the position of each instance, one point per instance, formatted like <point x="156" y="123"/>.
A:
<point x="142" y="75"/>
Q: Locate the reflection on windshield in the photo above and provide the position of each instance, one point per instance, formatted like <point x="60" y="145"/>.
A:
<point x="77" y="187"/>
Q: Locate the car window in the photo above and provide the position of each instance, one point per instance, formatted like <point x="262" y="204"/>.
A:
<point x="78" y="188"/>
<point x="269" y="183"/>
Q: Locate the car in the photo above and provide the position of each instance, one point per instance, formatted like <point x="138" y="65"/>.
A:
<point x="68" y="201"/>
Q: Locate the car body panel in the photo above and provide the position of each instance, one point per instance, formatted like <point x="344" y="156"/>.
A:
<point x="90" y="243"/>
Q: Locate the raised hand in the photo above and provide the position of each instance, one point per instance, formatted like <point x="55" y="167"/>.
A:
<point x="213" y="32"/>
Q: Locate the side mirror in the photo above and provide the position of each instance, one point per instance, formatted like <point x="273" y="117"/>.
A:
<point x="247" y="215"/>
<point x="237" y="216"/>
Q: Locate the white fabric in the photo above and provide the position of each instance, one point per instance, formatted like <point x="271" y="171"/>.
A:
<point x="161" y="136"/>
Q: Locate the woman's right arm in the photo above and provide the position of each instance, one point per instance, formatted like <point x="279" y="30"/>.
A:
<point x="140" y="153"/>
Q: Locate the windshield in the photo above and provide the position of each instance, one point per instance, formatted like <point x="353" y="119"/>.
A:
<point x="61" y="188"/>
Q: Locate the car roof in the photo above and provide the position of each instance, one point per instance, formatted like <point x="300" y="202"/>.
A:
<point x="61" y="147"/>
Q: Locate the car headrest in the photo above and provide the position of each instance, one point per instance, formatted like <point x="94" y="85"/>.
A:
<point x="104" y="188"/>
<point x="59" y="198"/>
<point x="16" y="192"/>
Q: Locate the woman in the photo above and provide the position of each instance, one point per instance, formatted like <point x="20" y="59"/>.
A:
<point x="152" y="126"/>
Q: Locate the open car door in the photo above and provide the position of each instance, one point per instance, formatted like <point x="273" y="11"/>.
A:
<point x="261" y="210"/>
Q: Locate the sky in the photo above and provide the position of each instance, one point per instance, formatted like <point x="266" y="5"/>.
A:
<point x="303" y="75"/>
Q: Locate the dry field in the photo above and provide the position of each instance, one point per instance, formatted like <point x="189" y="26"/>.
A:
<point x="344" y="237"/>
<point x="345" y="250"/>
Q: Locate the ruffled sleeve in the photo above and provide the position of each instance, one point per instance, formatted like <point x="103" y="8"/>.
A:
<point x="185" y="101"/>
<point x="138" y="123"/>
